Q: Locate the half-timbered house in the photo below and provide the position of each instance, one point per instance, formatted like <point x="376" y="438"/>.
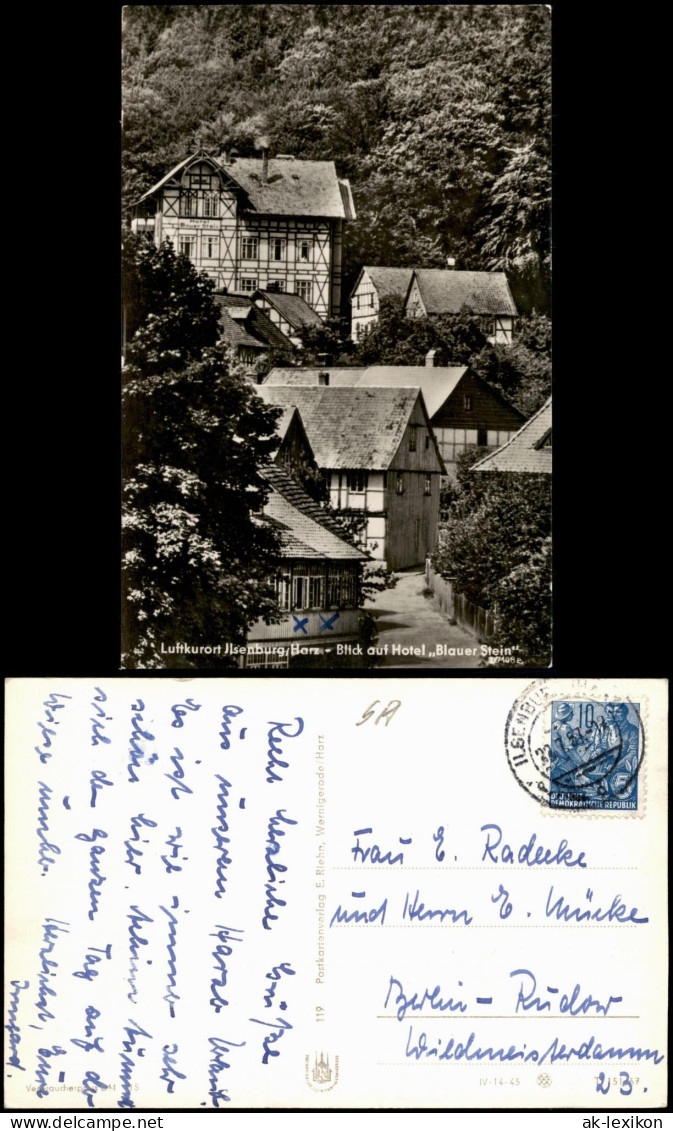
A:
<point x="380" y="459"/>
<point x="250" y="222"/>
<point x="248" y="332"/>
<point x="289" y="313"/>
<point x="371" y="285"/>
<point x="433" y="291"/>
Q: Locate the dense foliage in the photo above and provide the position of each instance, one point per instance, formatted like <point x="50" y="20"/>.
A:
<point x="496" y="549"/>
<point x="521" y="371"/>
<point x="197" y="559"/>
<point x="438" y="114"/>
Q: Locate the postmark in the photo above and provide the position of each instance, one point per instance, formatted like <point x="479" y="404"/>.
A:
<point x="571" y="745"/>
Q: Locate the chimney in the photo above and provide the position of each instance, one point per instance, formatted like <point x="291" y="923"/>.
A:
<point x="263" y="144"/>
<point x="450" y="263"/>
<point x="431" y="359"/>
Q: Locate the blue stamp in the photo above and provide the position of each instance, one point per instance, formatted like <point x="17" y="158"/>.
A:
<point x="595" y="751"/>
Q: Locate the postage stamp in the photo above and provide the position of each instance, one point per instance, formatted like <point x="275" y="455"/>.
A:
<point x="595" y="754"/>
<point x="576" y="750"/>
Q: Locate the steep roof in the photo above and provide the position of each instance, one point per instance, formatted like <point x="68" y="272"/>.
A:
<point x="293" y="308"/>
<point x="199" y="155"/>
<point x="437" y="382"/>
<point x="235" y="334"/>
<point x="292" y="188"/>
<point x="293" y="491"/>
<point x="471" y="292"/>
<point x="304" y="529"/>
<point x="256" y="329"/>
<point x="310" y="376"/>
<point x="387" y="280"/>
<point x="527" y="450"/>
<point x="349" y="428"/>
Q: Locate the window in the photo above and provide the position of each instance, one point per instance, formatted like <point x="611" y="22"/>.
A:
<point x="307" y="588"/>
<point x="371" y="299"/>
<point x="187" y="245"/>
<point x="199" y="180"/>
<point x="249" y="246"/>
<point x="188" y="204"/>
<point x="248" y="285"/>
<point x="212" y="247"/>
<point x="277" y="248"/>
<point x="427" y="490"/>
<point x="357" y="482"/>
<point x="427" y="440"/>
<point x="284" y="590"/>
<point x="481" y="437"/>
<point x="340" y="588"/>
<point x="304" y="290"/>
<point x="467" y="403"/>
<point x="412" y="439"/>
<point x="305" y="247"/>
<point x="211" y="204"/>
<point x="399" y="483"/>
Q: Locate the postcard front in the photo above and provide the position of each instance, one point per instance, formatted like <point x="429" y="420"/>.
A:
<point x="399" y="894"/>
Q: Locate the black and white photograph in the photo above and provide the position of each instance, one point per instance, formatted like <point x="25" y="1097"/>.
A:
<point x="336" y="337"/>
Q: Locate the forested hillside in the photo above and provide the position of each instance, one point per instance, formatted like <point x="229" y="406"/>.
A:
<point x="438" y="114"/>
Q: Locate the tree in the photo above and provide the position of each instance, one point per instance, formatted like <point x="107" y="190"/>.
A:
<point x="396" y="340"/>
<point x="198" y="559"/>
<point x="521" y="370"/>
<point x="496" y="549"/>
<point x="329" y="341"/>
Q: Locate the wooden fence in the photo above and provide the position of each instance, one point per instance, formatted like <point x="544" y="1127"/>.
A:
<point x="480" y="622"/>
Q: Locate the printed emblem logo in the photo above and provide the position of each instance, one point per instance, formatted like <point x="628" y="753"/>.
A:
<point x="544" y="1079"/>
<point x="321" y="1075"/>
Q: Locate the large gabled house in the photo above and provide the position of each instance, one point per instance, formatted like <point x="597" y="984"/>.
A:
<point x="463" y="409"/>
<point x="434" y="291"/>
<point x="250" y="223"/>
<point x="372" y="285"/>
<point x="528" y="451"/>
<point x="379" y="455"/>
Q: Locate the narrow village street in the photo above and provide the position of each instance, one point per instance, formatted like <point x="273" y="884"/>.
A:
<point x="409" y="617"/>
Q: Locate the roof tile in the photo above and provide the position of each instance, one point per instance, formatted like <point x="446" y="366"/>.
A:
<point x="349" y="428"/>
<point x="304" y="531"/>
<point x="470" y="292"/>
